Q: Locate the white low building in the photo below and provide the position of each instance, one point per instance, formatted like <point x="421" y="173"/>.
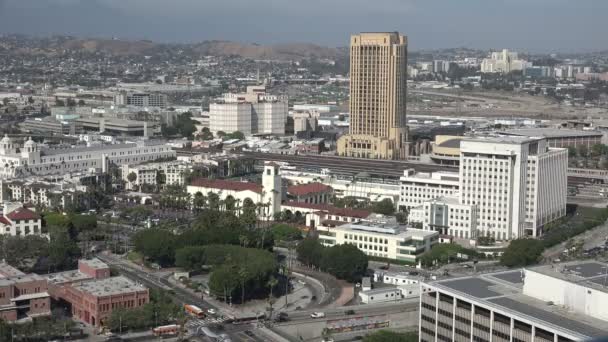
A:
<point x="31" y="159"/>
<point x="381" y="295"/>
<point x="381" y="237"/>
<point x="173" y="173"/>
<point x="16" y="220"/>
<point x="269" y="193"/>
<point x="374" y="189"/>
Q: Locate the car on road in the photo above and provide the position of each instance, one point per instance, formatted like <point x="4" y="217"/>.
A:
<point x="327" y="339"/>
<point x="211" y="311"/>
<point x="349" y="312"/>
<point x="249" y="333"/>
<point x="317" y="314"/>
<point x="282" y="317"/>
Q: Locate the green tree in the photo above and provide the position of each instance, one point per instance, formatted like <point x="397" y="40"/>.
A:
<point x="385" y="207"/>
<point x="582" y="151"/>
<point x="157" y="245"/>
<point x="63" y="250"/>
<point x="391" y="336"/>
<point x="522" y="252"/>
<point x="445" y="253"/>
<point x="310" y="252"/>
<point x="132" y="177"/>
<point x="284" y="232"/>
<point x="191" y="258"/>
<point x="344" y="261"/>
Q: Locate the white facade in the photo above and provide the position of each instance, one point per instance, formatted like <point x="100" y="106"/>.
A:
<point x="266" y="193"/>
<point x="503" y="62"/>
<point x="19" y="221"/>
<point x="374" y="190"/>
<point x="449" y="216"/>
<point x="381" y="295"/>
<point x="494" y="177"/>
<point x="417" y="188"/>
<point x="173" y="172"/>
<point x="381" y="238"/>
<point x="29" y="159"/>
<point x="254" y="112"/>
<point x="574" y="295"/>
<point x="507" y="188"/>
<point x="547" y="189"/>
<point x="230" y="117"/>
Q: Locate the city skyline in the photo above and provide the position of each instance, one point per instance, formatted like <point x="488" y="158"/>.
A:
<point x="433" y="24"/>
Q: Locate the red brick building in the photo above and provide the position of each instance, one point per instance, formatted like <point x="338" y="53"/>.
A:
<point x="93" y="301"/>
<point x="22" y="296"/>
<point x="87" y="270"/>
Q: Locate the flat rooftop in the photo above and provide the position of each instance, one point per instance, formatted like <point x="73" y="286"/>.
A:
<point x="94" y="263"/>
<point x="67" y="277"/>
<point x="7" y="271"/>
<point x="392" y="229"/>
<point x="551" y="132"/>
<point x="110" y="287"/>
<point x="512" y="139"/>
<point x="592" y="274"/>
<point x="504" y="291"/>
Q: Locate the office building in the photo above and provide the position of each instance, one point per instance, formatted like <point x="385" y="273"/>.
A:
<point x="380" y="236"/>
<point x="507" y="187"/>
<point x="378" y="83"/>
<point x="253" y="112"/>
<point x="22" y="296"/>
<point x="417" y="188"/>
<point x="518" y="184"/>
<point x="564" y="302"/>
<point x="32" y="159"/>
<point x="141" y="99"/>
<point x="503" y="62"/>
<point x="49" y="125"/>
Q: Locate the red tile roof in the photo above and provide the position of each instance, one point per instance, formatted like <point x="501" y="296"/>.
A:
<point x="4" y="220"/>
<point x="22" y="214"/>
<point x="331" y="210"/>
<point x="310" y="188"/>
<point x="227" y="185"/>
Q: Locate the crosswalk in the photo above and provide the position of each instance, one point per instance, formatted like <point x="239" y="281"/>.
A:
<point x="205" y="321"/>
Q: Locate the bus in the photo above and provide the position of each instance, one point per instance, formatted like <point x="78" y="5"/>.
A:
<point x="247" y="319"/>
<point x="166" y="330"/>
<point x="194" y="311"/>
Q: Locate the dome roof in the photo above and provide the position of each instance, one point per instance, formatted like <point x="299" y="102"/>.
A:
<point x="29" y="143"/>
<point x="6" y="140"/>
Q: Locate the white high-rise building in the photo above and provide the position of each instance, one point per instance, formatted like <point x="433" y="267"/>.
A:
<point x="508" y="187"/>
<point x="254" y="112"/>
<point x="518" y="184"/>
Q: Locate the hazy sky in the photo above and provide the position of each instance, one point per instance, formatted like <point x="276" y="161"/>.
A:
<point x="530" y="25"/>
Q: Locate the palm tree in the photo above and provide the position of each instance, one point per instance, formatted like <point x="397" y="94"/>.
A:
<point x="243" y="275"/>
<point x="272" y="282"/>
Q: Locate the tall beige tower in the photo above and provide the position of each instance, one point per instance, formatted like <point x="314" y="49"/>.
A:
<point x="378" y="86"/>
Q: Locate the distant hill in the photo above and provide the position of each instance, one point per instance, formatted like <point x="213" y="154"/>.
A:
<point x="58" y="44"/>
<point x="273" y="52"/>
